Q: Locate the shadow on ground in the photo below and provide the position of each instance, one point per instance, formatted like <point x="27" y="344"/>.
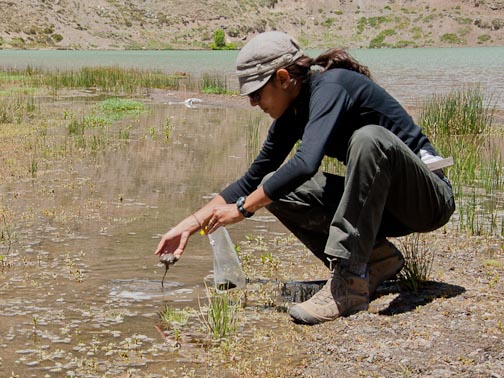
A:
<point x="410" y="300"/>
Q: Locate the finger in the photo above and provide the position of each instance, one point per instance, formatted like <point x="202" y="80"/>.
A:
<point x="182" y="245"/>
<point x="159" y="249"/>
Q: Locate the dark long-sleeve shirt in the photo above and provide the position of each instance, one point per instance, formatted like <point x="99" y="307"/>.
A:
<point x="332" y="105"/>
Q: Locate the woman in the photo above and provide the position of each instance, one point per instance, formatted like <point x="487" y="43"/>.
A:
<point x="336" y="110"/>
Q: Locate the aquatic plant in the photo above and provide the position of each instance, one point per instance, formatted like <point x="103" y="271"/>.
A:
<point x="460" y="125"/>
<point x="120" y="106"/>
<point x="256" y="125"/>
<point x="219" y="316"/>
<point x="214" y="83"/>
<point x="172" y="315"/>
<point x="16" y="107"/>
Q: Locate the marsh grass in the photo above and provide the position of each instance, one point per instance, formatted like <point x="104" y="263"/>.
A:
<point x="7" y="232"/>
<point x="16" y="108"/>
<point x="108" y="79"/>
<point x="256" y="128"/>
<point x="175" y="318"/>
<point x="219" y="316"/>
<point x="113" y="80"/>
<point x="119" y="107"/>
<point x="460" y="124"/>
<point x="418" y="260"/>
<point x="214" y="83"/>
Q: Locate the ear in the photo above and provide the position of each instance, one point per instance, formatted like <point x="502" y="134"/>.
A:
<point x="283" y="77"/>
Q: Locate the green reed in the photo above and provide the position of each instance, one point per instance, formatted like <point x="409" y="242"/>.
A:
<point x="114" y="80"/>
<point x="214" y="83"/>
<point x="255" y="129"/>
<point x="460" y="124"/>
<point x="418" y="261"/>
<point x="110" y="79"/>
<point x="219" y="316"/>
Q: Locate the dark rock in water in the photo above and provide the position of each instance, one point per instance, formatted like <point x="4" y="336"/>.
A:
<point x="225" y="285"/>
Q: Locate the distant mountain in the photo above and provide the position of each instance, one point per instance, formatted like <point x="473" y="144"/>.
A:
<point x="190" y="24"/>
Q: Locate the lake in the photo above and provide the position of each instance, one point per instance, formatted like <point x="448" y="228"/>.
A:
<point x="409" y="74"/>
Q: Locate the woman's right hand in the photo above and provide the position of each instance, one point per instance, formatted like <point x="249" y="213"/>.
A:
<point x="174" y="241"/>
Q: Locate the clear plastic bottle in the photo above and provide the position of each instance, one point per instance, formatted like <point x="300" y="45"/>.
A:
<point x="228" y="273"/>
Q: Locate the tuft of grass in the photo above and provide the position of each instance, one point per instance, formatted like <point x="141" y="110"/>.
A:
<point x="214" y="83"/>
<point x="119" y="107"/>
<point x="175" y="317"/>
<point x="417" y="265"/>
<point x="219" y="316"/>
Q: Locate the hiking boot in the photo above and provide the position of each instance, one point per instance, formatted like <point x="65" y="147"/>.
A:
<point x="384" y="263"/>
<point x="342" y="295"/>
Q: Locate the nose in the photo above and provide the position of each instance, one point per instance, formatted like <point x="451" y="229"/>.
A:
<point x="253" y="101"/>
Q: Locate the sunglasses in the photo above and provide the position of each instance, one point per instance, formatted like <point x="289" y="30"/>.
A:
<point x="256" y="95"/>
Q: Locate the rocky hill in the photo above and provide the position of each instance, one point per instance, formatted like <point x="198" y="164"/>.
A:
<point x="175" y="24"/>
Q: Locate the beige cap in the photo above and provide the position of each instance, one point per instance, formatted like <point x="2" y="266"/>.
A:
<point x="262" y="56"/>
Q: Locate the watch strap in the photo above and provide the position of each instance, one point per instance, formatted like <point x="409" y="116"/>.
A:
<point x="239" y="204"/>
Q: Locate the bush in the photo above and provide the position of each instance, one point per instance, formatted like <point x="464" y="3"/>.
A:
<point x="379" y="40"/>
<point x="484" y="38"/>
<point x="219" y="39"/>
<point x="450" y="38"/>
<point x="57" y="38"/>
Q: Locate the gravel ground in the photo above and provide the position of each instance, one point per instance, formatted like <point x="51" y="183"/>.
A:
<point x="452" y="327"/>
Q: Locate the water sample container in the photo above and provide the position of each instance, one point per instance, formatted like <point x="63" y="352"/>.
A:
<point x="228" y="273"/>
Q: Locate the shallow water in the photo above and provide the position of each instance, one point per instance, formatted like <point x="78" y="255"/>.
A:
<point x="84" y="274"/>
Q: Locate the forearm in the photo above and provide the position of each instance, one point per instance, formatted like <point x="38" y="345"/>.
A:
<point x="256" y="200"/>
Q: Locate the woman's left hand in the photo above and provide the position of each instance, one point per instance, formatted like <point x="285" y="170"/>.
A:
<point x="221" y="216"/>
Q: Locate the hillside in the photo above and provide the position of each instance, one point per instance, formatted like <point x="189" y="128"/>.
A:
<point x="174" y="24"/>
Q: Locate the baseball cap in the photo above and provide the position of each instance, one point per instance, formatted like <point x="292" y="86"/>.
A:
<point x="259" y="59"/>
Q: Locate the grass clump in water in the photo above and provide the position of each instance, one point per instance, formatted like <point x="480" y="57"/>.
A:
<point x="120" y="107"/>
<point x="175" y="316"/>
<point x="219" y="316"/>
<point x="214" y="84"/>
<point x="460" y="125"/>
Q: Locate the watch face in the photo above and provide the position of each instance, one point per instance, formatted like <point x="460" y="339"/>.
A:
<point x="240" y="202"/>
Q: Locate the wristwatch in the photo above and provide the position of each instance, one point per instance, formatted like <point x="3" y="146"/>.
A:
<point x="239" y="204"/>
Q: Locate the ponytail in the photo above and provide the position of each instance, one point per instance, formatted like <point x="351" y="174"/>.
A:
<point x="332" y="58"/>
<point x="336" y="58"/>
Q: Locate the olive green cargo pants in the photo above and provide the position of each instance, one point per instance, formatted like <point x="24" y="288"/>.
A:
<point x="387" y="191"/>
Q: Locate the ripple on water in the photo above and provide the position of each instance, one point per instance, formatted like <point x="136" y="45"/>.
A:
<point x="141" y="290"/>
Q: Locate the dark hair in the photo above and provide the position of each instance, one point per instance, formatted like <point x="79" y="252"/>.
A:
<point x="332" y="58"/>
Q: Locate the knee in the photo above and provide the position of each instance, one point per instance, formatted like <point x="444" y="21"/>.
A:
<point x="369" y="134"/>
<point x="370" y="138"/>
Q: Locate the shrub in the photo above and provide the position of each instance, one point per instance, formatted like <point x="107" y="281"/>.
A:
<point x="450" y="38"/>
<point x="484" y="38"/>
<point x="379" y="40"/>
<point x="328" y="22"/>
<point x="219" y="39"/>
<point x="57" y="38"/>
